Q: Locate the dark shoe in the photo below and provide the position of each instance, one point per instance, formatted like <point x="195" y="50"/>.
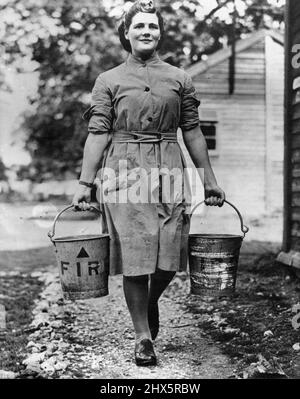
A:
<point x="144" y="353"/>
<point x="153" y="320"/>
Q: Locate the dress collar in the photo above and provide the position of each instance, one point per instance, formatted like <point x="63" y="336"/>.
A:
<point x="132" y="59"/>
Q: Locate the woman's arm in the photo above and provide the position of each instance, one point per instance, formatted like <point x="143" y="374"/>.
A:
<point x="197" y="148"/>
<point x="94" y="148"/>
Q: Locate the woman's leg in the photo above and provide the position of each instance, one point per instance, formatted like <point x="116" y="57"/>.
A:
<point x="136" y="295"/>
<point x="158" y="283"/>
<point x="141" y="301"/>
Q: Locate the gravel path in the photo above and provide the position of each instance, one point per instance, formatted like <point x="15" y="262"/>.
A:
<point x="94" y="338"/>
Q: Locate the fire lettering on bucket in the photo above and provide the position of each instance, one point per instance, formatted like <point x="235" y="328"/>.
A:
<point x="78" y="269"/>
<point x="94" y="267"/>
<point x="91" y="268"/>
<point x="62" y="265"/>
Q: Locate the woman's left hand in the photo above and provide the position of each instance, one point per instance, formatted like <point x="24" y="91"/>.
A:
<point x="214" y="195"/>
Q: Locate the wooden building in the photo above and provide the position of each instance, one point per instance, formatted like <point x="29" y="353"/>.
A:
<point x="244" y="129"/>
<point x="290" y="254"/>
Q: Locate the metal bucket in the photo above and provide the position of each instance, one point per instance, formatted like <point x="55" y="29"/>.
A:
<point x="83" y="263"/>
<point x="213" y="261"/>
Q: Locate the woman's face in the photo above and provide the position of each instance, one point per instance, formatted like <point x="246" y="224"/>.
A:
<point x="143" y="33"/>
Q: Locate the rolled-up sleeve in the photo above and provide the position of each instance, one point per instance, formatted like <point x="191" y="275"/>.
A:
<point x="189" y="115"/>
<point x="100" y="113"/>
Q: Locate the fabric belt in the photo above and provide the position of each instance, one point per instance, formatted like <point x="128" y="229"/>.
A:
<point x="139" y="136"/>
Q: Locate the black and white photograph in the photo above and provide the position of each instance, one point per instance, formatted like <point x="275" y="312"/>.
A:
<point x="149" y="192"/>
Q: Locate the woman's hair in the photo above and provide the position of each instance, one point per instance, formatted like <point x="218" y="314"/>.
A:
<point x="139" y="6"/>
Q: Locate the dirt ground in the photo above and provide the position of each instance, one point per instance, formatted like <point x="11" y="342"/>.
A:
<point x="248" y="336"/>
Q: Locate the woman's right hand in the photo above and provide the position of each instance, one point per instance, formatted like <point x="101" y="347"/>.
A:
<point x="82" y="198"/>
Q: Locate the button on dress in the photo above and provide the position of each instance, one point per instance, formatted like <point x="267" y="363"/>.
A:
<point x="145" y="210"/>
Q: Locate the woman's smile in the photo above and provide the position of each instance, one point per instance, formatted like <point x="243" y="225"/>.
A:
<point x="146" y="41"/>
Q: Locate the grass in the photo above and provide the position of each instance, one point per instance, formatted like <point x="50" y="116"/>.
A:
<point x="17" y="296"/>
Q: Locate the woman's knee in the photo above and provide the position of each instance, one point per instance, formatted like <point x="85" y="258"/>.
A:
<point x="143" y="279"/>
<point x="163" y="274"/>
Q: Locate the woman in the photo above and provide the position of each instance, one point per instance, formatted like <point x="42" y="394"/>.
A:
<point x="135" y="112"/>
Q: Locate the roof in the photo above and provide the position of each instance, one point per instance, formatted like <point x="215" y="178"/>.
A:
<point x="241" y="45"/>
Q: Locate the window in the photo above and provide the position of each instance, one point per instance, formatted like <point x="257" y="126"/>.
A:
<point x="208" y="124"/>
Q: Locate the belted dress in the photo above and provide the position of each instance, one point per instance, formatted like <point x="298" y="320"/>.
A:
<point x="144" y="190"/>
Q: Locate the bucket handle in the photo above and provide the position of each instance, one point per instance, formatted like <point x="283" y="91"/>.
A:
<point x="244" y="228"/>
<point x="51" y="233"/>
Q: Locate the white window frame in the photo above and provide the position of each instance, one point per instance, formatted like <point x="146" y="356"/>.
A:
<point x="210" y="116"/>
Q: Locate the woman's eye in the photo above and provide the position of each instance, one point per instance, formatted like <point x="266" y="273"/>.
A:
<point x="142" y="26"/>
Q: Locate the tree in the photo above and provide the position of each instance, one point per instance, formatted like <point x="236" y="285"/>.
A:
<point x="73" y="41"/>
<point x="72" y="44"/>
<point x="3" y="176"/>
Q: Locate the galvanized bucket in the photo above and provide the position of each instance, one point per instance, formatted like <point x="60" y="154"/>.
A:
<point x="213" y="261"/>
<point x="83" y="263"/>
